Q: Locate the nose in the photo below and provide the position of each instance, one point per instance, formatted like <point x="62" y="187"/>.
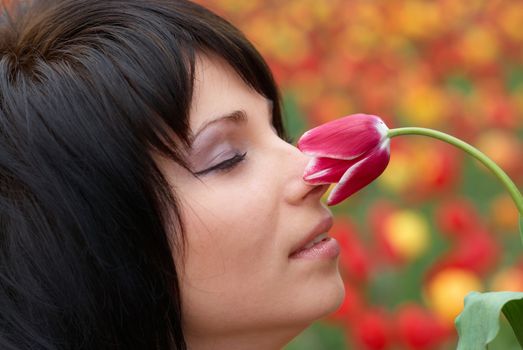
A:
<point x="296" y="190"/>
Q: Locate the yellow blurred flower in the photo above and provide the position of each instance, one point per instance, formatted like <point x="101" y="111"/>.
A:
<point x="423" y="105"/>
<point x="407" y="233"/>
<point x="447" y="289"/>
<point x="399" y="173"/>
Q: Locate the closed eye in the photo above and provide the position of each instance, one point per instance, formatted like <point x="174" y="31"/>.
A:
<point x="225" y="165"/>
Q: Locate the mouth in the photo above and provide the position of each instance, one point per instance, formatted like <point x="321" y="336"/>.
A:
<point x="317" y="243"/>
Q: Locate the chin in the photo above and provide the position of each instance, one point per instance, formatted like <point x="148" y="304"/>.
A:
<point x="333" y="297"/>
<point x="324" y="300"/>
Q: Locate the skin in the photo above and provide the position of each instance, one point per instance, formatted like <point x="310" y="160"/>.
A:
<point x="240" y="289"/>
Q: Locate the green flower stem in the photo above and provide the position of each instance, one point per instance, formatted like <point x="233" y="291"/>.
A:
<point x="489" y="163"/>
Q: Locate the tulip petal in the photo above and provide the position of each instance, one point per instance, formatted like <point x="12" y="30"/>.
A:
<point x="361" y="174"/>
<point x="326" y="170"/>
<point x="345" y="138"/>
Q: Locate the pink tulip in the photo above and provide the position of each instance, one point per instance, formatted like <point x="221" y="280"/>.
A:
<point x="351" y="151"/>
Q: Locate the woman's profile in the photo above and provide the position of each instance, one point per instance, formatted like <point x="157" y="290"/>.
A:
<point x="148" y="198"/>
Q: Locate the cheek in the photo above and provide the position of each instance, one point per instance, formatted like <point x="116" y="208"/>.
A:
<point x="229" y="229"/>
<point x="230" y="257"/>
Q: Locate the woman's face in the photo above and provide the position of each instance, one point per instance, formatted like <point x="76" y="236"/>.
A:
<point x="244" y="214"/>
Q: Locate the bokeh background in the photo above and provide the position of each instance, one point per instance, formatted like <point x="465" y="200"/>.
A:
<point x="436" y="224"/>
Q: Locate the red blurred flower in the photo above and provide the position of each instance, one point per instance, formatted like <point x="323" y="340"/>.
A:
<point x="441" y="170"/>
<point x="479" y="252"/>
<point x="476" y="251"/>
<point x="351" y="151"/>
<point x="354" y="258"/>
<point x="418" y="328"/>
<point x="350" y="308"/>
<point x="373" y="330"/>
<point x="457" y="217"/>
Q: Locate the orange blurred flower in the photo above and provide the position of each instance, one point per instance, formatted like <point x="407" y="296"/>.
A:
<point x="508" y="279"/>
<point x="504" y="148"/>
<point x="510" y="19"/>
<point x="418" y="19"/>
<point x="420" y="168"/>
<point x="504" y="213"/>
<point x="479" y="45"/>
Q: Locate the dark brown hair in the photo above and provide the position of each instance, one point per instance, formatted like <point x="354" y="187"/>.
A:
<point x="88" y="88"/>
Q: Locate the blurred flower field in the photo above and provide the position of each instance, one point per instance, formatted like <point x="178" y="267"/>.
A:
<point x="436" y="224"/>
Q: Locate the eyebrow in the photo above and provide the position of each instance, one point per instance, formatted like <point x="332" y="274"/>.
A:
<point x="238" y="116"/>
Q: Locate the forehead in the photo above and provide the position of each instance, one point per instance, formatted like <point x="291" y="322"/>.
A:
<point x="218" y="90"/>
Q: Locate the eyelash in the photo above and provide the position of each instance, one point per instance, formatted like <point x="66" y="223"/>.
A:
<point x="225" y="165"/>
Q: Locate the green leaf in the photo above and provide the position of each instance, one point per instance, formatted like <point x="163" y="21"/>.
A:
<point x="521" y="227"/>
<point x="513" y="311"/>
<point x="478" y="323"/>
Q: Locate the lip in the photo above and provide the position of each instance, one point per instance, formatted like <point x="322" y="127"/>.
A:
<point x="321" y="227"/>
